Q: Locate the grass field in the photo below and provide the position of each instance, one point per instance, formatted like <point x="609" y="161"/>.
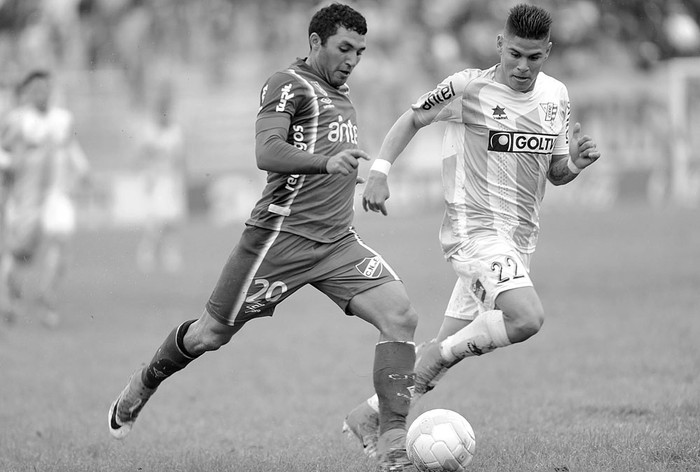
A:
<point x="611" y="383"/>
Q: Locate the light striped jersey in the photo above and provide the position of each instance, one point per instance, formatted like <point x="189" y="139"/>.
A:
<point x="496" y="152"/>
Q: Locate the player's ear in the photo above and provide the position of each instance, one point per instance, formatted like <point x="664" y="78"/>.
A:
<point x="549" y="49"/>
<point x="314" y="41"/>
<point x="499" y="44"/>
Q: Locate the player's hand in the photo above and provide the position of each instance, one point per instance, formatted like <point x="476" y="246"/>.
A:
<point x="586" y="150"/>
<point x="376" y="193"/>
<point x="346" y="161"/>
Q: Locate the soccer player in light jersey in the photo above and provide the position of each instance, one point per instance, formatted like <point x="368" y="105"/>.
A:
<point x="300" y="232"/>
<point x="507" y="134"/>
<point x="46" y="162"/>
<point x="162" y="165"/>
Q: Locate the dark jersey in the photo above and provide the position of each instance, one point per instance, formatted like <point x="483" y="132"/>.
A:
<point x="320" y="120"/>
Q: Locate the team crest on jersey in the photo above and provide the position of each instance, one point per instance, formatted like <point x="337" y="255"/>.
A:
<point x="499" y="113"/>
<point x="511" y="141"/>
<point x="370" y="267"/>
<point x="318" y="88"/>
<point x="550" y="110"/>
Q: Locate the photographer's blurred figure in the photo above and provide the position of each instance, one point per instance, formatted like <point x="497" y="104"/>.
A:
<point x="45" y="166"/>
<point x="161" y="162"/>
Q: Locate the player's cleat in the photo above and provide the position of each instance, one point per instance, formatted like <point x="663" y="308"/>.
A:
<point x="363" y="423"/>
<point x="396" y="460"/>
<point x="430" y="367"/>
<point x="128" y="405"/>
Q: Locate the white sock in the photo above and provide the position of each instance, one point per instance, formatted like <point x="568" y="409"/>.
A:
<point x="486" y="333"/>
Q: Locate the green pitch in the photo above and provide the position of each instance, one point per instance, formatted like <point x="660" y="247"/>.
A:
<point x="611" y="383"/>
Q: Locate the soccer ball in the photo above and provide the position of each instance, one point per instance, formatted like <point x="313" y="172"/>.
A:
<point x="440" y="441"/>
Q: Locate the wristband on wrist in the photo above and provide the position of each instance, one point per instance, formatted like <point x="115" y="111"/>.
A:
<point x="381" y="165"/>
<point x="573" y="168"/>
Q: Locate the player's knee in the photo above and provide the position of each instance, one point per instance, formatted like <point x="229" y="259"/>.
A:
<point x="208" y="342"/>
<point x="203" y="338"/>
<point x="526" y="324"/>
<point x="401" y="322"/>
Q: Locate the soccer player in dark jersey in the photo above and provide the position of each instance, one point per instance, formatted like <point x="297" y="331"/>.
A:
<point x="300" y="232"/>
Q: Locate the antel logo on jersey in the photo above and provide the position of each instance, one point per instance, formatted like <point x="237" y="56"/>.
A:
<point x="509" y="141"/>
<point x="342" y="131"/>
<point x="370" y="267"/>
<point x="284" y="97"/>
<point x="438" y="95"/>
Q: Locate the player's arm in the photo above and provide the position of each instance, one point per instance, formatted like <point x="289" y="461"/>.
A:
<point x="274" y="154"/>
<point x="376" y="191"/>
<point x="565" y="167"/>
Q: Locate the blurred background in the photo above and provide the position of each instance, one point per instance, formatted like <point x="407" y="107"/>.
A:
<point x="631" y="66"/>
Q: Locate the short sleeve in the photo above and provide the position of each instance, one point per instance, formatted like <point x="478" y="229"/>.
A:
<point x="561" y="145"/>
<point x="444" y="102"/>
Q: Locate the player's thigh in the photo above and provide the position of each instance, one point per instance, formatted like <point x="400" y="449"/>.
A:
<point x="263" y="270"/>
<point x="363" y="284"/>
<point x="388" y="308"/>
<point x="23" y="237"/>
<point x="521" y="303"/>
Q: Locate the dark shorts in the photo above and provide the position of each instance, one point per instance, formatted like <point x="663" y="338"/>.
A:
<point x="268" y="266"/>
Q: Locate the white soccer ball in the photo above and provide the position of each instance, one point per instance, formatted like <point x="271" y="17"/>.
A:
<point x="440" y="441"/>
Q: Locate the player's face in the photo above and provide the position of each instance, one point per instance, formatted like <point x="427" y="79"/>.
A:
<point x="38" y="93"/>
<point x="521" y="61"/>
<point x="338" y="57"/>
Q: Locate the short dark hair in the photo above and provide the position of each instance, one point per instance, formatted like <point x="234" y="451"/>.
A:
<point x="528" y="21"/>
<point x="326" y="21"/>
<point x="37" y="74"/>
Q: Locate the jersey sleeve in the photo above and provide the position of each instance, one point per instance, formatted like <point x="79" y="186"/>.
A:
<point x="561" y="145"/>
<point x="281" y="99"/>
<point x="444" y="102"/>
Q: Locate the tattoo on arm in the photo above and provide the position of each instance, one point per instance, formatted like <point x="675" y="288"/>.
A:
<point x="559" y="173"/>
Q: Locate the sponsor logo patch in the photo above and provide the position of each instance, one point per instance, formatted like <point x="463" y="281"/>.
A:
<point x="510" y="141"/>
<point x="499" y="113"/>
<point x="342" y="131"/>
<point x="284" y="97"/>
<point x="370" y="267"/>
<point x="438" y="95"/>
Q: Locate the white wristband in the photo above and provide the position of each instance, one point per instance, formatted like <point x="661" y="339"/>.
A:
<point x="381" y="165"/>
<point x="573" y="168"/>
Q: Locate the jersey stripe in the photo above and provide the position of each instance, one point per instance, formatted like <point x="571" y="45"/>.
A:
<point x="252" y="270"/>
<point x="285" y="209"/>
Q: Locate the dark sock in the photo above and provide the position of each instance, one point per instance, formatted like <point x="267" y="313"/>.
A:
<point x="170" y="357"/>
<point x="393" y="379"/>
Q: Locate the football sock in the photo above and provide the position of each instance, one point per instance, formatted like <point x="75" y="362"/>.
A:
<point x="486" y="333"/>
<point x="170" y="357"/>
<point x="393" y="382"/>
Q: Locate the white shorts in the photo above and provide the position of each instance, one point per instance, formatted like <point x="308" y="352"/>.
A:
<point x="486" y="267"/>
<point x="58" y="216"/>
<point x="166" y="199"/>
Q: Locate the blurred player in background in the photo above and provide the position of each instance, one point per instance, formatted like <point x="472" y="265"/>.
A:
<point x="46" y="163"/>
<point x="162" y="164"/>
<point x="507" y="134"/>
<point x="300" y="232"/>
